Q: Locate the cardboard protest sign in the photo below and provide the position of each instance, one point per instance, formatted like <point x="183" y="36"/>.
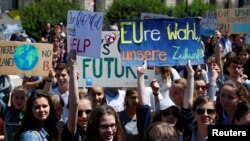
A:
<point x="107" y="71"/>
<point x="18" y="58"/>
<point x="235" y="21"/>
<point x="162" y="42"/>
<point x="208" y="23"/>
<point x="84" y="31"/>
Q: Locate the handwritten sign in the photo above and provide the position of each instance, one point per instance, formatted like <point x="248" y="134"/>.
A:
<point x="84" y="31"/>
<point x="162" y="42"/>
<point x="233" y="20"/>
<point x="18" y="58"/>
<point x="107" y="71"/>
<point x="208" y="23"/>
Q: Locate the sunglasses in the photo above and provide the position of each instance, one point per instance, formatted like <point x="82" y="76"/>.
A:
<point x="201" y="87"/>
<point x="87" y="112"/>
<point x="202" y="111"/>
<point x="106" y="126"/>
<point x="168" y="113"/>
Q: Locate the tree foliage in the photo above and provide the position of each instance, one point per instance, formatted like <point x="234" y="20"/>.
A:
<point x="132" y="9"/>
<point x="34" y="15"/>
<point x="195" y="9"/>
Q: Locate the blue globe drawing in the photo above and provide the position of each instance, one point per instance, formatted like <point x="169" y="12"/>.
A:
<point x="26" y="57"/>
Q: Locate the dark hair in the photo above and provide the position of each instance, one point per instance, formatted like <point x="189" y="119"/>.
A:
<point x="95" y="119"/>
<point x="242" y="110"/>
<point x="61" y="67"/>
<point x="30" y="122"/>
<point x="128" y="93"/>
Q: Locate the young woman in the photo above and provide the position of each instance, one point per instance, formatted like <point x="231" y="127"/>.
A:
<point x="128" y="115"/>
<point x="204" y="114"/>
<point x="232" y="95"/>
<point x="13" y="115"/>
<point x="40" y="122"/>
<point x="104" y="125"/>
<point x="97" y="95"/>
<point x="79" y="110"/>
<point x="167" y="112"/>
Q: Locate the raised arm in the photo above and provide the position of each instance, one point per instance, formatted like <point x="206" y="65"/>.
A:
<point x="188" y="95"/>
<point x="142" y="98"/>
<point x="217" y="51"/>
<point x="73" y="94"/>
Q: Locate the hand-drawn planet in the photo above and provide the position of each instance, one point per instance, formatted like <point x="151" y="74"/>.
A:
<point x="26" y="56"/>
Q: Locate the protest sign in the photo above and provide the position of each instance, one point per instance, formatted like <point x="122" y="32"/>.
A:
<point x="208" y="23"/>
<point x="84" y="30"/>
<point x="162" y="42"/>
<point x="19" y="58"/>
<point x="233" y="21"/>
<point x="107" y="71"/>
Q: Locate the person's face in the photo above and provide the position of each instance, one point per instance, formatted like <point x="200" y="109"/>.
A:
<point x="107" y="127"/>
<point x="200" y="87"/>
<point x="169" y="115"/>
<point x="228" y="98"/>
<point x="205" y="114"/>
<point x="56" y="43"/>
<point x="176" y="95"/>
<point x="235" y="70"/>
<point x="132" y="100"/>
<point x="19" y="100"/>
<point x="41" y="108"/>
<point x="62" y="78"/>
<point x="97" y="95"/>
<point x="239" y="42"/>
<point x="84" y="112"/>
<point x="244" y="56"/>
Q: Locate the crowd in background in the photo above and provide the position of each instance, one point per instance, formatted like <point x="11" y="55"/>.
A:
<point x="180" y="104"/>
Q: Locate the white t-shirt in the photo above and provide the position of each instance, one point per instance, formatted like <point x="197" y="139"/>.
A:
<point x="165" y="86"/>
<point x="117" y="102"/>
<point x="65" y="97"/>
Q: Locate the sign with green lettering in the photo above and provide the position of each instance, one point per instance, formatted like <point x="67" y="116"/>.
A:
<point x="107" y="71"/>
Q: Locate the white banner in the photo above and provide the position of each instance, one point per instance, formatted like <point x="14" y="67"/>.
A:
<point x="107" y="71"/>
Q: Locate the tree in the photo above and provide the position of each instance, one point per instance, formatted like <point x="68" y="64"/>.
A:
<point x="131" y="9"/>
<point x="195" y="9"/>
<point x="35" y="15"/>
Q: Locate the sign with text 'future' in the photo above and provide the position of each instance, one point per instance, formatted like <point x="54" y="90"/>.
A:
<point x="84" y="31"/>
<point x="162" y="42"/>
<point x="107" y="71"/>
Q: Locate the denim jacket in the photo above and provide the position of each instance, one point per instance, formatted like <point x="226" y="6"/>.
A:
<point x="34" y="135"/>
